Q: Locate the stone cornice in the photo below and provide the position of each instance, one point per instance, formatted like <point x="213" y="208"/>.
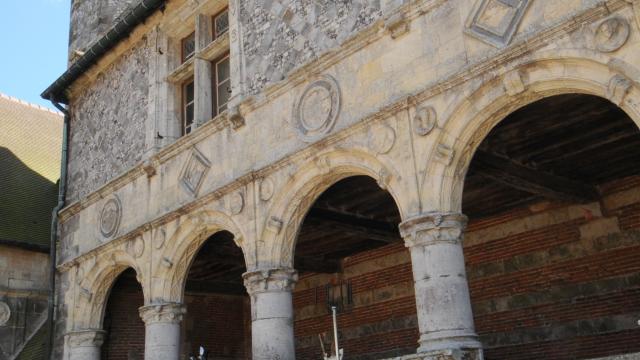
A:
<point x="526" y="44"/>
<point x="162" y="313"/>
<point x="270" y="280"/>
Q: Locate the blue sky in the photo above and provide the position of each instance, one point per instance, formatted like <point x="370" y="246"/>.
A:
<point x="33" y="42"/>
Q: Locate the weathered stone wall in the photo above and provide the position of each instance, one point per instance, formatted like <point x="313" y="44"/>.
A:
<point x="281" y="35"/>
<point x="90" y="19"/>
<point x="23" y="291"/>
<point x="108" y="123"/>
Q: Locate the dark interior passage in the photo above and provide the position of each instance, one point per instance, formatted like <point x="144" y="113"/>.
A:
<point x="553" y="197"/>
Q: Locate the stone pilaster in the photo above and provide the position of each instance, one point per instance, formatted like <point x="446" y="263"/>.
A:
<point x="85" y="344"/>
<point x="271" y="313"/>
<point x="442" y="293"/>
<point x="162" y="330"/>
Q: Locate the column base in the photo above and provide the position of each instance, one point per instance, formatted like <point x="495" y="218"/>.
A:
<point x="447" y="340"/>
<point x="458" y="354"/>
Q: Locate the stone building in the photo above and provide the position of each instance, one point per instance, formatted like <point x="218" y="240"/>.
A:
<point x="30" y="137"/>
<point x="238" y="167"/>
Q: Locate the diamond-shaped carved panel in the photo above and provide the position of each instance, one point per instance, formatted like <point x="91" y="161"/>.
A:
<point x="495" y="21"/>
<point x="194" y="172"/>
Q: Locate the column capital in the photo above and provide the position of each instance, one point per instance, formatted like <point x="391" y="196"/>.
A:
<point x="434" y="227"/>
<point x="162" y="313"/>
<point x="270" y="280"/>
<point x="85" y="338"/>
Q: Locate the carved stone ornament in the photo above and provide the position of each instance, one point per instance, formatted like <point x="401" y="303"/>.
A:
<point x="86" y="338"/>
<point x="618" y="88"/>
<point x="194" y="171"/>
<point x="110" y="217"/>
<point x="444" y="154"/>
<point x="270" y="280"/>
<point x="382" y="137"/>
<point x="236" y="203"/>
<point x="136" y="247"/>
<point x="425" y="119"/>
<point x="513" y="83"/>
<point x="611" y="34"/>
<point x="316" y="111"/>
<point x="432" y="228"/>
<point x="5" y="313"/>
<point x="496" y="21"/>
<point x="159" y="237"/>
<point x="162" y="313"/>
<point x="267" y="188"/>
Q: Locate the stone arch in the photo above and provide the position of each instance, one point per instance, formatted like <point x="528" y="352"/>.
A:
<point x="183" y="246"/>
<point x="96" y="284"/>
<point x="295" y="198"/>
<point x="470" y="120"/>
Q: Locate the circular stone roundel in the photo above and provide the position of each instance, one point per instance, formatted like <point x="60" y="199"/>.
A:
<point x="316" y="111"/>
<point x="5" y="313"/>
<point x="110" y="217"/>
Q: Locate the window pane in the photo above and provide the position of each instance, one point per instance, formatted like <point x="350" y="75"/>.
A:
<point x="221" y="23"/>
<point x="188" y="97"/>
<point x="223" y="70"/>
<point x="188" y="118"/>
<point x="188" y="46"/>
<point x="224" y="93"/>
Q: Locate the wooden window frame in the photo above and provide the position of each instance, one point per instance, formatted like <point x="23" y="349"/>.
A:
<point x="183" y="57"/>
<point x="213" y="23"/>
<point x="184" y="104"/>
<point x="214" y="81"/>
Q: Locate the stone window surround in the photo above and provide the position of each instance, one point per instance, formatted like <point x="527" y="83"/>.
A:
<point x="175" y="72"/>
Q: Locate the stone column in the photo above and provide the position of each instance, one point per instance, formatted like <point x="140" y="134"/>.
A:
<point x="162" y="330"/>
<point x="85" y="344"/>
<point x="442" y="294"/>
<point x="271" y="313"/>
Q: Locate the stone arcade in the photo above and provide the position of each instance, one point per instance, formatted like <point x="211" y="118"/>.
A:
<point x="237" y="167"/>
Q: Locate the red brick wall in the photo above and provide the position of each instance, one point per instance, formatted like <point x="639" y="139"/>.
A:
<point x="568" y="290"/>
<point x="382" y="320"/>
<point x="219" y="323"/>
<point x="549" y="281"/>
<point x="125" y="329"/>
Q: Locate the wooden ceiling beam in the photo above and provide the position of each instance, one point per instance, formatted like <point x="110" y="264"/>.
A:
<point x="215" y="287"/>
<point x="355" y="225"/>
<point x="510" y="173"/>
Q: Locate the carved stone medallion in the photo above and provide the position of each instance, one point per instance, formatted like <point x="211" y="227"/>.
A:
<point x="611" y="34"/>
<point x="5" y="313"/>
<point x="236" y="203"/>
<point x="137" y="247"/>
<point x="424" y="120"/>
<point x="495" y="21"/>
<point x="194" y="171"/>
<point x="381" y="138"/>
<point x="159" y="237"/>
<point x="317" y="109"/>
<point x="110" y="217"/>
<point x="267" y="189"/>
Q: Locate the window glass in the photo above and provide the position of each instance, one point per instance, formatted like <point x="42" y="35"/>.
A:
<point x="188" y="105"/>
<point x="220" y="23"/>
<point x="222" y="84"/>
<point x="188" y="46"/>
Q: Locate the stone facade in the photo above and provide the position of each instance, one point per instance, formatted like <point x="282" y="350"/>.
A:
<point x="90" y="19"/>
<point x="108" y="132"/>
<point x="399" y="91"/>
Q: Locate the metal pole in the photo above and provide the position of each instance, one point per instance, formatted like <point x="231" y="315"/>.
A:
<point x="335" y="332"/>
